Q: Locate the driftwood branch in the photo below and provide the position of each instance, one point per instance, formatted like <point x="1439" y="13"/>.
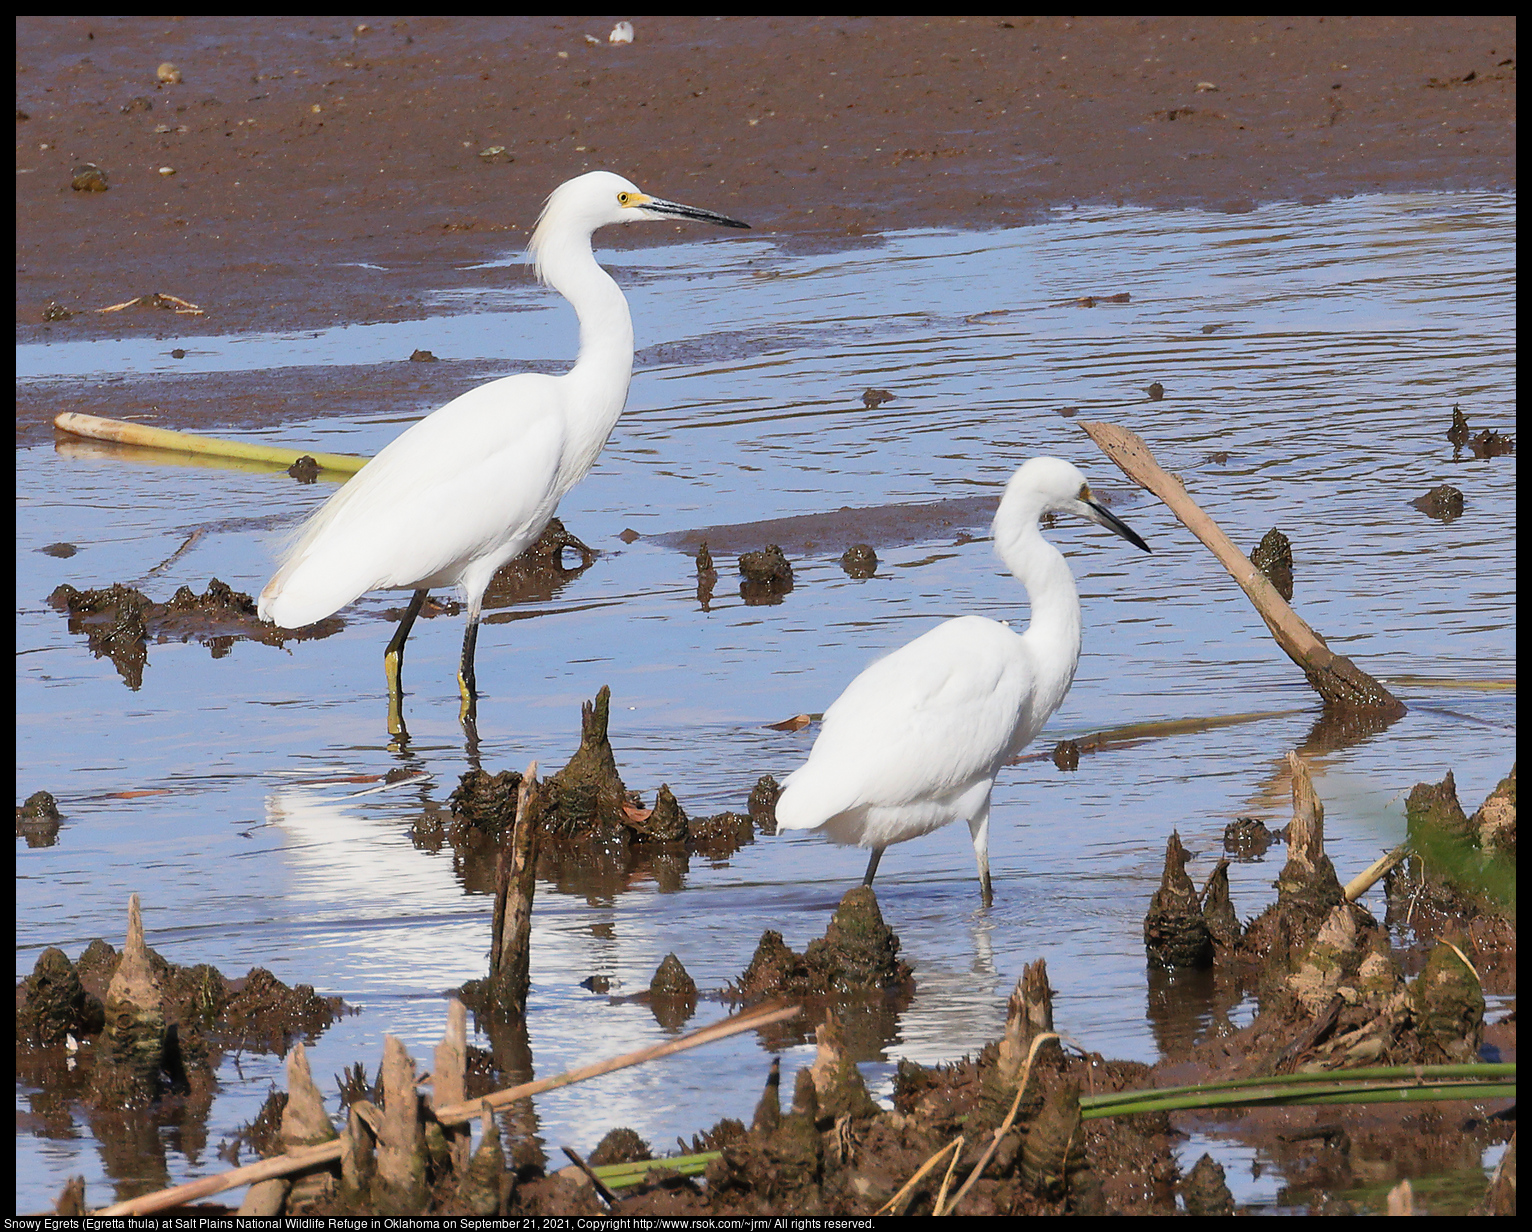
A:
<point x="453" y="1114"/>
<point x="1334" y="677"/>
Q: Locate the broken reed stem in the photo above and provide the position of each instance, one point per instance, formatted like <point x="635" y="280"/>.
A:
<point x="607" y="1195"/>
<point x="889" y="1206"/>
<point x="1369" y="876"/>
<point x="320" y="1156"/>
<point x="1010" y="1117"/>
<point x="941" y="1194"/>
<point x="97" y="428"/>
<point x="1334" y="677"/>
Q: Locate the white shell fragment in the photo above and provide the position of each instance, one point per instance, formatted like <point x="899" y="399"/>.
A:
<point x="622" y="32"/>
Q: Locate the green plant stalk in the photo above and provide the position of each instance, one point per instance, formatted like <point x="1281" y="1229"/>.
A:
<point x="1483" y="1070"/>
<point x="620" y="1176"/>
<point x="98" y="428"/>
<point x="1359" y="1093"/>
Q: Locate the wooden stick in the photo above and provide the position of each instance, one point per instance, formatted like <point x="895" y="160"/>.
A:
<point x="941" y="1194"/>
<point x="99" y="429"/>
<point x="1333" y="676"/>
<point x="1368" y="877"/>
<point x="888" y="1207"/>
<point x="607" y="1195"/>
<point x="320" y="1156"/>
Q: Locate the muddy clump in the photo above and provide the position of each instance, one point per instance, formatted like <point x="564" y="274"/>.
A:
<point x="763" y="804"/>
<point x="539" y="572"/>
<point x="119" y="622"/>
<point x="620" y="1146"/>
<point x="52" y="1003"/>
<point x="858" y="955"/>
<point x="593" y="831"/>
<point x="38" y="820"/>
<point x="1175" y="933"/>
<point x="1247" y="838"/>
<point x="1273" y="556"/>
<point x="1443" y="502"/>
<point x="305" y="469"/>
<point x="1457" y="431"/>
<point x="1066" y="755"/>
<point x="767" y="575"/>
<point x="146" y="1027"/>
<point x="859" y="561"/>
<point x="1460" y="875"/>
<point x="672" y="995"/>
<point x="1491" y="444"/>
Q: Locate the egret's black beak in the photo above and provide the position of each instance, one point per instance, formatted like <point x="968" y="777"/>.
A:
<point x="675" y="210"/>
<point x="1102" y="517"/>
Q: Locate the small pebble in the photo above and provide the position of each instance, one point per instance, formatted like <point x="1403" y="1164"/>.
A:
<point x="88" y="177"/>
<point x="168" y="73"/>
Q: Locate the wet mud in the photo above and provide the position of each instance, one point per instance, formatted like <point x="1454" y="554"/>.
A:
<point x="1443" y="502"/>
<point x="595" y="834"/>
<point x="767" y="575"/>
<point x="466" y="117"/>
<point x="38" y="820"/>
<point x="826" y="534"/>
<point x="129" y="1044"/>
<point x="120" y="622"/>
<point x="1273" y="556"/>
<point x="1334" y="989"/>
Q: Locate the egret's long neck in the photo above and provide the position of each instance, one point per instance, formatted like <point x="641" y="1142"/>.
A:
<point x="1053" y="634"/>
<point x="598" y="383"/>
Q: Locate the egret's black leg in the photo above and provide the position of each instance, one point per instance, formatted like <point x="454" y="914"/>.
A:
<point x="468" y="711"/>
<point x="393" y="664"/>
<point x="979" y="828"/>
<point x="872" y="866"/>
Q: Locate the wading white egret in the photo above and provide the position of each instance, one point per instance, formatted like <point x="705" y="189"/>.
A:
<point x="473" y="484"/>
<point x="916" y="740"/>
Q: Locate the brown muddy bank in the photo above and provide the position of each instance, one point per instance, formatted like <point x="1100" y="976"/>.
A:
<point x="293" y="155"/>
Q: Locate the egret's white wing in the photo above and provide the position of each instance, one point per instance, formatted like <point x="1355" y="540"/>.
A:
<point x="928" y="721"/>
<point x="478" y="476"/>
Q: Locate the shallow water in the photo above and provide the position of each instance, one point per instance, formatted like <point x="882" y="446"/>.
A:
<point x="1345" y="334"/>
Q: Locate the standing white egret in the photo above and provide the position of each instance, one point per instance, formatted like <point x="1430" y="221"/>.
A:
<point x="473" y="484"/>
<point x="916" y="740"/>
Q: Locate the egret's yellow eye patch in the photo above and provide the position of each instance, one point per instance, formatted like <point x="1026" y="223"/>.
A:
<point x="631" y="199"/>
<point x="1085" y="492"/>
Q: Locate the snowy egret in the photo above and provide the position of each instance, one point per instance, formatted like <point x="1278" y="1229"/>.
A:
<point x="473" y="484"/>
<point x="916" y="740"/>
